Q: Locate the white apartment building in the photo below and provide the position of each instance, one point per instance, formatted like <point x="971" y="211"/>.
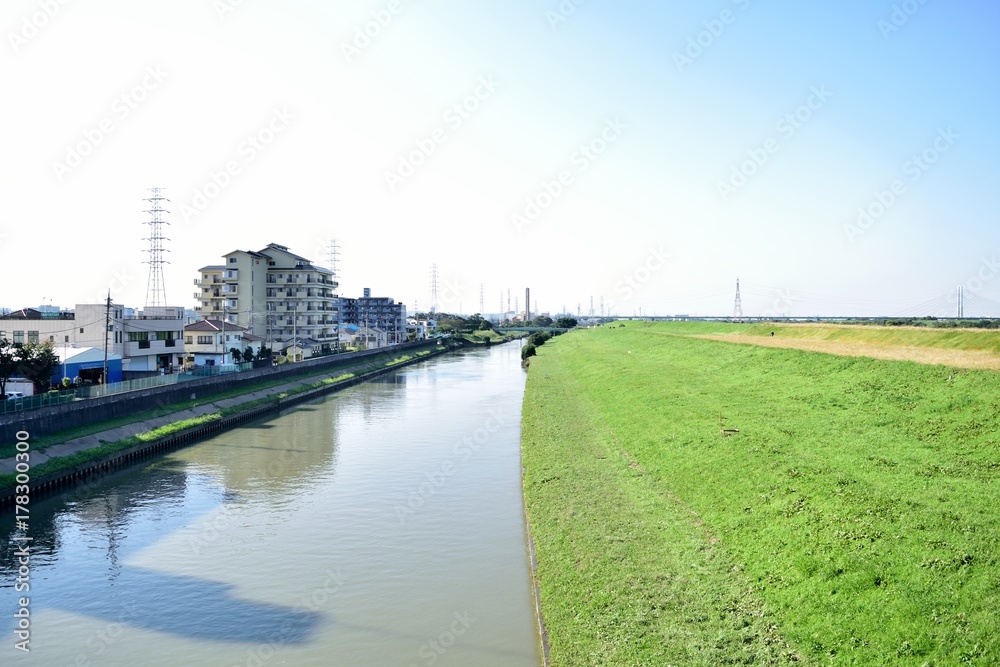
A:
<point x="273" y="293"/>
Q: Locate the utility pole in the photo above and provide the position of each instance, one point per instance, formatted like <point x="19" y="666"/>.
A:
<point x="224" y="308"/>
<point x="107" y="325"/>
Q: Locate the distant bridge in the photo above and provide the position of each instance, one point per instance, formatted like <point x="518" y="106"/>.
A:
<point x="530" y="329"/>
<point x="840" y="319"/>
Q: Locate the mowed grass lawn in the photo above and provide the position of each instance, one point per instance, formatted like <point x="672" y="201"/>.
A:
<point x="854" y="519"/>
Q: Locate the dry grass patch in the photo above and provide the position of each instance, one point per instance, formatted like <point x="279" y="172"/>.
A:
<point x="974" y="359"/>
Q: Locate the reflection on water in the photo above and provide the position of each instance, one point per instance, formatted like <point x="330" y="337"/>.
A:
<point x="381" y="526"/>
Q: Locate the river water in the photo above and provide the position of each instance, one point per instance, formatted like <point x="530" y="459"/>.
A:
<point x="381" y="525"/>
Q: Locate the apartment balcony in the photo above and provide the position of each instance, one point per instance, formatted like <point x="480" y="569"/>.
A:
<point x="230" y="290"/>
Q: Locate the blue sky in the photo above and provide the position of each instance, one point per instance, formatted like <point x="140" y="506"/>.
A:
<point x="726" y="139"/>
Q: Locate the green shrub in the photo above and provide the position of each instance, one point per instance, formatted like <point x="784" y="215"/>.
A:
<point x="539" y="337"/>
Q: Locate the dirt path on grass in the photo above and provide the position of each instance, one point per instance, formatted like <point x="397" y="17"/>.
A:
<point x="974" y="359"/>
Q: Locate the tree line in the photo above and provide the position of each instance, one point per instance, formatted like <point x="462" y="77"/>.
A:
<point x="34" y="361"/>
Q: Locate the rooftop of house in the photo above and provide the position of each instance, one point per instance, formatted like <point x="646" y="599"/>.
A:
<point x="213" y="325"/>
<point x="34" y="314"/>
<point x="300" y="342"/>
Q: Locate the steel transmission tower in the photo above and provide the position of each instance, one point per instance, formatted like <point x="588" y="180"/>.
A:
<point x="738" y="306"/>
<point x="334" y="250"/>
<point x="155" y="288"/>
<point x="482" y="299"/>
<point x="434" y="287"/>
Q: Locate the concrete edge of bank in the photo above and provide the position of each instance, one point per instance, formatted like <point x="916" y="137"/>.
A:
<point x="90" y="473"/>
<point x="543" y="633"/>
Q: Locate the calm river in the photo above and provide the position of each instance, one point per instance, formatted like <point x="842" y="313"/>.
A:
<point x="382" y="525"/>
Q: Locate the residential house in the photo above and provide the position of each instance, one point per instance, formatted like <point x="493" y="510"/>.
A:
<point x="148" y="341"/>
<point x="208" y="342"/>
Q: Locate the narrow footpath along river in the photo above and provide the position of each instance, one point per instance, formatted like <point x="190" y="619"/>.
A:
<point x="382" y="525"/>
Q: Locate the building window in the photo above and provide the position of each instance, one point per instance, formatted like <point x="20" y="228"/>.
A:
<point x="81" y="329"/>
<point x="65" y="338"/>
<point x="232" y="260"/>
<point x="32" y="336"/>
<point x="134" y="336"/>
<point x="18" y="337"/>
<point x="187" y="340"/>
<point x="204" y="340"/>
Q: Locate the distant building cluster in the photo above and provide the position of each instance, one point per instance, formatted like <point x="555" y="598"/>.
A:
<point x="260" y="303"/>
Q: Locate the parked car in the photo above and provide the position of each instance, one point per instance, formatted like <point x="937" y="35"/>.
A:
<point x="11" y="395"/>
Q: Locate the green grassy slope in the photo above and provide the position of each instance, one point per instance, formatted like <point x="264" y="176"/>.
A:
<point x="856" y="509"/>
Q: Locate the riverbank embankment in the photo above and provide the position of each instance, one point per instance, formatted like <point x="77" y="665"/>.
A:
<point x="98" y="452"/>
